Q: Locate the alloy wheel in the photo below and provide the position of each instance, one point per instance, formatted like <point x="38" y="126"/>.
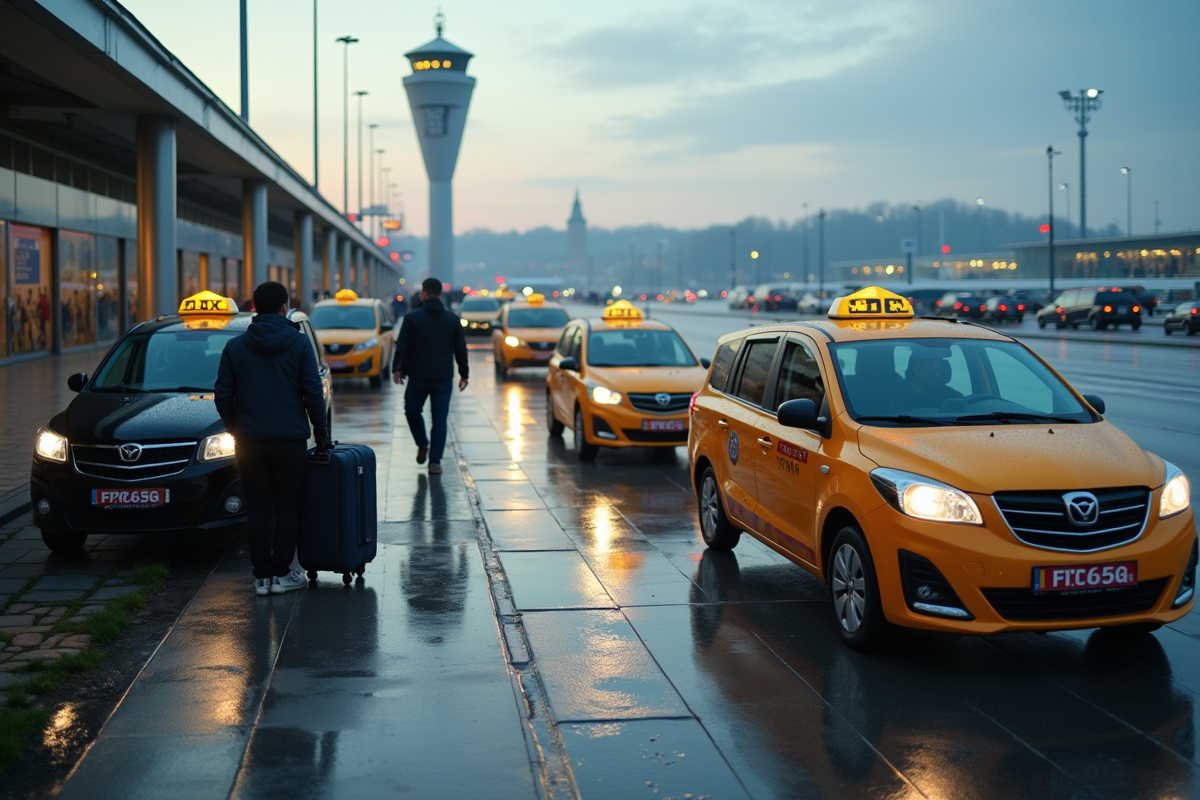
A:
<point x="849" y="589"/>
<point x="710" y="505"/>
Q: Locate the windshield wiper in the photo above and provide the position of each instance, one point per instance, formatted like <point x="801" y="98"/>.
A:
<point x="907" y="419"/>
<point x="197" y="389"/>
<point x="1013" y="416"/>
<point x="121" y="387"/>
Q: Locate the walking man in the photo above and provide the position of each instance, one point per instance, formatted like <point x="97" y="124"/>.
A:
<point x="268" y="391"/>
<point x="431" y="340"/>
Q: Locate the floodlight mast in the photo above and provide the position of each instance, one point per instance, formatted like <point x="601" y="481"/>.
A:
<point x="1082" y="106"/>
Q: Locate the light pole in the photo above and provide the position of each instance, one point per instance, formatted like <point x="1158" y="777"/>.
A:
<point x="1082" y="106"/>
<point x="983" y="224"/>
<point x="920" y="236"/>
<point x="245" y="66"/>
<point x="347" y="41"/>
<point x="316" y="151"/>
<point x="757" y="270"/>
<point x="804" y="238"/>
<point x="376" y="200"/>
<point x="821" y="253"/>
<point x="1157" y="221"/>
<point x="1050" y="154"/>
<point x="1066" y="187"/>
<point x="1128" y="173"/>
<point x="360" y="94"/>
<point x="733" y="257"/>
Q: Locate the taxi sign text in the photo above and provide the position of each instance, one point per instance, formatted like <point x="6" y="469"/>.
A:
<point x="871" y="302"/>
<point x="207" y="303"/>
<point x="623" y="310"/>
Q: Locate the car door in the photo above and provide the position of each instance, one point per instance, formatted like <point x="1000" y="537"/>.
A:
<point x="563" y="382"/>
<point x="322" y="367"/>
<point x="788" y="458"/>
<point x="738" y="419"/>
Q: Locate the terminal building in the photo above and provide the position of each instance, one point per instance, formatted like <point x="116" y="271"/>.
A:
<point x="126" y="184"/>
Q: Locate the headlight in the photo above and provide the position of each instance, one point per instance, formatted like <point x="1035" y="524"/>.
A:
<point x="368" y="344"/>
<point x="1176" y="493"/>
<point x="512" y="341"/>
<point x="50" y="445"/>
<point x="214" y="448"/>
<point x="463" y="322"/>
<point x="605" y="396"/>
<point x="925" y="498"/>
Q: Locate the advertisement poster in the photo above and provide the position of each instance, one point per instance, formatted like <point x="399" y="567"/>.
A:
<point x="77" y="288"/>
<point x="29" y="251"/>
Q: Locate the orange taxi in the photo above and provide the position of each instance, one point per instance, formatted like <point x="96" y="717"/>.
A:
<point x="526" y="333"/>
<point x="621" y="381"/>
<point x="356" y="335"/>
<point x="936" y="474"/>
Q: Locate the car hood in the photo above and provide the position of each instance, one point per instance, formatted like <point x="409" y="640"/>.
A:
<point x="479" y="316"/>
<point x="344" y="335"/>
<point x="104" y="417"/>
<point x="984" y="459"/>
<point x="649" y="379"/>
<point x="536" y="334"/>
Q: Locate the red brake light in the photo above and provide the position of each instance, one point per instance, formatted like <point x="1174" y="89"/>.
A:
<point x="981" y="308"/>
<point x="692" y="404"/>
<point x="1136" y="309"/>
<point x="958" y="305"/>
<point x="1194" y="312"/>
<point x="1059" y="309"/>
<point x="1020" y="307"/>
<point x="778" y="298"/>
<point x="1003" y="307"/>
<point x="1107" y="309"/>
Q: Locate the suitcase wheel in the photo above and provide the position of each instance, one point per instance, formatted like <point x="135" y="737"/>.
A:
<point x="346" y="578"/>
<point x="312" y="574"/>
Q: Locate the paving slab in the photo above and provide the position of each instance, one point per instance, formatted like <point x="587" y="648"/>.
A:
<point x="47" y="596"/>
<point x="531" y="529"/>
<point x="112" y="592"/>
<point x="58" y="582"/>
<point x="553" y="580"/>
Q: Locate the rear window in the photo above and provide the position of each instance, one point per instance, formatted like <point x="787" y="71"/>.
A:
<point x="480" y="304"/>
<point x="722" y="364"/>
<point x="361" y="318"/>
<point x="1114" y="297"/>
<point x="537" y="318"/>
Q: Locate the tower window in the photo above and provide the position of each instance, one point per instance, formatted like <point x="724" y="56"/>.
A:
<point x="435" y="120"/>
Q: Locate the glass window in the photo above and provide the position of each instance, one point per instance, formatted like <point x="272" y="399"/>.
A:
<point x="164" y="361"/>
<point x="360" y="318"/>
<point x="752" y="386"/>
<point x="108" y="289"/>
<point x="77" y="288"/>
<point x="564" y="344"/>
<point x="131" y="282"/>
<point x="6" y="306"/>
<point x="722" y="363"/>
<point x="480" y="304"/>
<point x="638" y="347"/>
<point x="537" y="318"/>
<point x="799" y="376"/>
<point x="233" y="280"/>
<point x="576" y="351"/>
<point x="29" y="288"/>
<point x="189" y="274"/>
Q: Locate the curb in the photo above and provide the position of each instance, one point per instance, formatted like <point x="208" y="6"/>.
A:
<point x="15" y="503"/>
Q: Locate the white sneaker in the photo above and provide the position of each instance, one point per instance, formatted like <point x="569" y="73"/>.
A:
<point x="289" y="583"/>
<point x="262" y="586"/>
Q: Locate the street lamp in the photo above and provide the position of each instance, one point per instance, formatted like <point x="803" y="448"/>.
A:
<point x="754" y="260"/>
<point x="1157" y="221"/>
<point x="245" y="66"/>
<point x="821" y="253"/>
<point x="360" y="94"/>
<point x="1082" y="106"/>
<point x="1128" y="173"/>
<point x="1050" y="154"/>
<point x="347" y="41"/>
<point x="983" y="224"/>
<point x="1066" y="187"/>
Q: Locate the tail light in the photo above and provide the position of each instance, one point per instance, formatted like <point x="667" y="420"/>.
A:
<point x="1195" y="312"/>
<point x="778" y="298"/>
<point x="957" y="306"/>
<point x="1136" y="309"/>
<point x="1108" y="309"/>
<point x="1004" y="308"/>
<point x="937" y="302"/>
<point x="1059" y="309"/>
<point x="1020" y="307"/>
<point x="981" y="308"/>
<point x="692" y="404"/>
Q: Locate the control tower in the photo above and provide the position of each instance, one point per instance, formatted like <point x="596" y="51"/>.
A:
<point x="439" y="91"/>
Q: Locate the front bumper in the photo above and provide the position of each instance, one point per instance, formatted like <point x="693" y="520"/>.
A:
<point x="357" y="364"/>
<point x="622" y="426"/>
<point x="197" y="498"/>
<point x="479" y="327"/>
<point x="525" y="356"/>
<point x="982" y="561"/>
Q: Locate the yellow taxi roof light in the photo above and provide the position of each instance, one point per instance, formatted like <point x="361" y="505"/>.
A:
<point x="346" y="296"/>
<point x="209" y="304"/>
<point x="536" y="299"/>
<point x="871" y="303"/>
<point x="623" y="310"/>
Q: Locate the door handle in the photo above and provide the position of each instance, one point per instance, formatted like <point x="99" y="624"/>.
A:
<point x="723" y="423"/>
<point x="766" y="441"/>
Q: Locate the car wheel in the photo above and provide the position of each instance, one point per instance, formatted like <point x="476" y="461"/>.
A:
<point x="376" y="381"/>
<point x="556" y="427"/>
<point x="854" y="592"/>
<point x="1167" y="329"/>
<point x="1095" y="323"/>
<point x="1191" y="331"/>
<point x="63" y="541"/>
<point x="715" y="528"/>
<point x="1135" y="325"/>
<point x="1041" y="322"/>
<point x="501" y="367"/>
<point x="1131" y="630"/>
<point x="583" y="450"/>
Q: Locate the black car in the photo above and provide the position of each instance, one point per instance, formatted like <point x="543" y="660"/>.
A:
<point x="924" y="301"/>
<point x="1003" y="309"/>
<point x="142" y="447"/>
<point x="963" y="305"/>
<point x="1184" y="317"/>
<point x="1031" y="304"/>
<point x="1147" y="300"/>
<point x="1096" y="308"/>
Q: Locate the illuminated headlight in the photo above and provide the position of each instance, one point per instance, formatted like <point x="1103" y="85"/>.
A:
<point x="463" y="322"/>
<point x="512" y="341"/>
<point x="1176" y="493"/>
<point x="214" y="448"/>
<point x="925" y="498"/>
<point x="605" y="396"/>
<point x="368" y="344"/>
<point x="50" y="445"/>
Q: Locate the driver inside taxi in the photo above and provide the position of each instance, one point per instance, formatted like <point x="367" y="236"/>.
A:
<point x="926" y="380"/>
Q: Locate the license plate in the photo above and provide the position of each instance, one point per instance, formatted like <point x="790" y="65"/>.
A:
<point x="664" y="425"/>
<point x="130" y="498"/>
<point x="1122" y="309"/>
<point x="338" y="363"/>
<point x="542" y="356"/>
<point x="1084" y="577"/>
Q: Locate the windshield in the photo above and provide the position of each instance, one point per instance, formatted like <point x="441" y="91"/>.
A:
<point x="950" y="382"/>
<point x="165" y="361"/>
<point x="359" y="318"/>
<point x="537" y="318"/>
<point x="480" y="304"/>
<point x="632" y="347"/>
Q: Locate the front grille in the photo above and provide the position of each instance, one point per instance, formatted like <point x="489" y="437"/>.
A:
<point x="170" y="516"/>
<point x="655" y="437"/>
<point x="1024" y="605"/>
<point x="156" y="461"/>
<point x="1040" y="518"/>
<point x="541" y="347"/>
<point x="648" y="403"/>
<point x="337" y="349"/>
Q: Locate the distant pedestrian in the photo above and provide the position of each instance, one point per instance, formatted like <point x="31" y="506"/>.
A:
<point x="431" y="340"/>
<point x="268" y="391"/>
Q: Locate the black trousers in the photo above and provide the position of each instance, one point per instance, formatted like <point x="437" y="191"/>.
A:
<point x="273" y="479"/>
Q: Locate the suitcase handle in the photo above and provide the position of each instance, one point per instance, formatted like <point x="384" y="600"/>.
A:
<point x="316" y="458"/>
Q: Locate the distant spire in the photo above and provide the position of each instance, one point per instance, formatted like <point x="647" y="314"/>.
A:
<point x="576" y="209"/>
<point x="439" y="22"/>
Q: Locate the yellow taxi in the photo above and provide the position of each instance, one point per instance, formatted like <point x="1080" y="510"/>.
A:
<point x="622" y="381"/>
<point x="526" y="333"/>
<point x="356" y="335"/>
<point x="936" y="474"/>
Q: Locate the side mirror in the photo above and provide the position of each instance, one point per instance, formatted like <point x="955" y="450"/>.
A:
<point x="569" y="364"/>
<point x="802" y="414"/>
<point x="706" y="363"/>
<point x="1095" y="402"/>
<point x="387" y="326"/>
<point x="77" y="381"/>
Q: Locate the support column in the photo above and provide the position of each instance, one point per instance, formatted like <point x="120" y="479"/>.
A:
<point x="254" y="234"/>
<point x="441" y="232"/>
<point x="304" y="260"/>
<point x="344" y="266"/>
<point x="329" y="264"/>
<point x="360" y="272"/>
<point x="156" y="187"/>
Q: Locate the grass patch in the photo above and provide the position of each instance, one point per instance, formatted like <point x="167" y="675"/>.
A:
<point x="5" y="639"/>
<point x="17" y="725"/>
<point x="151" y="577"/>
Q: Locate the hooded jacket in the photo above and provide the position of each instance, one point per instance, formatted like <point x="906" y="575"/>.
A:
<point x="431" y="340"/>
<point x="268" y="386"/>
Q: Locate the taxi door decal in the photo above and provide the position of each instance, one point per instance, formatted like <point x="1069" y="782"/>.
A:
<point x="734" y="447"/>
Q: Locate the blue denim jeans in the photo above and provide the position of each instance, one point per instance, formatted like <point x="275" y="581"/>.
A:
<point x="438" y="393"/>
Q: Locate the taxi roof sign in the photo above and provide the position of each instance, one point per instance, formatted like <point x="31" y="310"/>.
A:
<point x="871" y="303"/>
<point x="346" y="296"/>
<point x="208" y="304"/>
<point x="536" y="299"/>
<point x="623" y="310"/>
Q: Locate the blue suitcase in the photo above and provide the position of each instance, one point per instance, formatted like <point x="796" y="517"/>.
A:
<point x="337" y="517"/>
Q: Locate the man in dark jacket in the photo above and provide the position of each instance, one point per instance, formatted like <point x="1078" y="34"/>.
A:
<point x="268" y="391"/>
<point x="431" y="339"/>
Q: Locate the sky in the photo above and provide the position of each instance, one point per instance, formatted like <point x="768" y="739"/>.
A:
<point x="696" y="112"/>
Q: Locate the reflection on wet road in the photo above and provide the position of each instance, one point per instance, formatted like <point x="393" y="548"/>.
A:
<point x="674" y="669"/>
